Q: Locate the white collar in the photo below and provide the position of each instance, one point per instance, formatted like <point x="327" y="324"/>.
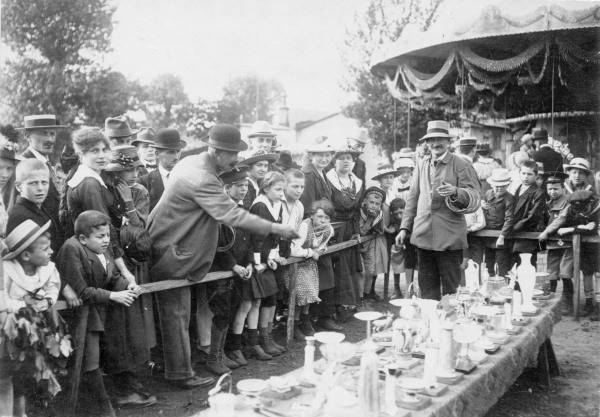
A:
<point x="274" y="209"/>
<point x="546" y="145"/>
<point x="38" y="155"/>
<point x="31" y="283"/>
<point x="163" y="172"/>
<point x="335" y="180"/>
<point x="83" y="172"/>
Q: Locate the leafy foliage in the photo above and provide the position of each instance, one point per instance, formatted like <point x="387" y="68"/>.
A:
<point x="384" y="21"/>
<point x="239" y="99"/>
<point x="36" y="346"/>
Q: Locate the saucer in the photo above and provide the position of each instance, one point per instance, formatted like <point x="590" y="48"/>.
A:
<point x="368" y="315"/>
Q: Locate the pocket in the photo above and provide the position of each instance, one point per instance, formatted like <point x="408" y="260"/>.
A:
<point x="173" y="263"/>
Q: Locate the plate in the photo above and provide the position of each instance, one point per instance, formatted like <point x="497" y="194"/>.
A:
<point x="329" y="337"/>
<point x="409" y="384"/>
<point x="401" y="302"/>
<point x="368" y="315"/>
<point x="251" y="386"/>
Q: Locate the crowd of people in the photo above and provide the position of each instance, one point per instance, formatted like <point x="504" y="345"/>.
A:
<point x="127" y="209"/>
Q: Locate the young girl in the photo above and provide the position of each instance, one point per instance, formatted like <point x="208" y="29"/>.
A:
<point x="315" y="233"/>
<point x="266" y="259"/>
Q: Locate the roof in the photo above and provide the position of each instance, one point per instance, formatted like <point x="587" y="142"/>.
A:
<point x="304" y="125"/>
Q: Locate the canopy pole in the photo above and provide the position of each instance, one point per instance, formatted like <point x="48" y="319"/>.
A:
<point x="394" y="130"/>
<point x="408" y="125"/>
<point x="552" y="111"/>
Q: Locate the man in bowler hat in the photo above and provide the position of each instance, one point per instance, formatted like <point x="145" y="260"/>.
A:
<point x="184" y="227"/>
<point x="167" y="146"/>
<point x="550" y="160"/>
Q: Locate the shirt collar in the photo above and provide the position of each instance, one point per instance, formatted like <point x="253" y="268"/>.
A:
<point x="38" y="155"/>
<point x="163" y="172"/>
<point x="83" y="172"/>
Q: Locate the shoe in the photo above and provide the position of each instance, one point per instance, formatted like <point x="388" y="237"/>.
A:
<point x="202" y="356"/>
<point x="215" y="360"/>
<point x="375" y="297"/>
<point x="230" y="363"/>
<point x="588" y="307"/>
<point x="93" y="395"/>
<point x="305" y="325"/>
<point x="135" y="400"/>
<point x="566" y="304"/>
<point x="327" y="323"/>
<point x="193" y="382"/>
<point x="279" y="347"/>
<point x="257" y="352"/>
<point x="397" y="294"/>
<point x="298" y="334"/>
<point x="238" y="357"/>
<point x="266" y="342"/>
<point x="596" y="314"/>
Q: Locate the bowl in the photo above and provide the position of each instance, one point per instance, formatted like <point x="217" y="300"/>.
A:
<point x="251" y="386"/>
<point x="409" y="384"/>
<point x="329" y="337"/>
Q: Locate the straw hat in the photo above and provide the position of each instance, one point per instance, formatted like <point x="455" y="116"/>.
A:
<point x="579" y="163"/>
<point x="437" y="129"/>
<point x="319" y="145"/>
<point x="22" y="237"/>
<point x="40" y="121"/>
<point x="385" y="169"/>
<point x="499" y="177"/>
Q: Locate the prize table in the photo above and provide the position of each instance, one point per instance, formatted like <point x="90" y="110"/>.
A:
<point x="473" y="395"/>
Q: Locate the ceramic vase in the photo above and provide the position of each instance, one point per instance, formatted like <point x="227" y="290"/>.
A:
<point x="526" y="275"/>
<point x="472" y="275"/>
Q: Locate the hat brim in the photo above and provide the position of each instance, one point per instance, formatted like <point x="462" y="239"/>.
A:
<point x="240" y="147"/>
<point x="568" y="167"/>
<point x="118" y="167"/>
<point x="131" y="133"/>
<point x="13" y="254"/>
<point x="270" y="157"/>
<point x="42" y="127"/>
<point x="182" y="144"/>
<point x="350" y="152"/>
<point x="497" y="183"/>
<point x="394" y="172"/>
<point x="261" y="135"/>
<point x="435" y="135"/>
<point x="138" y="141"/>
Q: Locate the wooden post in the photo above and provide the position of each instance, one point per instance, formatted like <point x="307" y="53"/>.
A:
<point x="291" y="305"/>
<point x="576" y="272"/>
<point x="79" y="343"/>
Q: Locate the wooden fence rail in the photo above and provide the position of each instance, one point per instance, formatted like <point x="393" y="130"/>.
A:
<point x="214" y="276"/>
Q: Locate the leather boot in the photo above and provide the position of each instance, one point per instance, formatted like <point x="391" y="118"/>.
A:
<point x="588" y="307"/>
<point x="214" y="361"/>
<point x="254" y="349"/>
<point x="306" y="326"/>
<point x="282" y="349"/>
<point x="95" y="395"/>
<point x="267" y="343"/>
<point x="566" y="304"/>
<point x="235" y="352"/>
<point x="298" y="334"/>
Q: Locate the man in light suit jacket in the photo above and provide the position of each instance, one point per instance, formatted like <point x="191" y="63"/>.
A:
<point x="184" y="227"/>
<point x="168" y="146"/>
<point x="444" y="188"/>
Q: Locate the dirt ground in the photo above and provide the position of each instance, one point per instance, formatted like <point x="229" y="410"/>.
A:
<point x="574" y="393"/>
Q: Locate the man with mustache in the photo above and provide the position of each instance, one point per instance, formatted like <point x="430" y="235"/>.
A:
<point x="40" y="132"/>
<point x="184" y="227"/>
<point x="444" y="188"/>
<point x="167" y="146"/>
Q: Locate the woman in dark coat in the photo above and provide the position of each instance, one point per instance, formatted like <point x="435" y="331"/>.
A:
<point x="318" y="188"/>
<point x="346" y="193"/>
<point x="87" y="188"/>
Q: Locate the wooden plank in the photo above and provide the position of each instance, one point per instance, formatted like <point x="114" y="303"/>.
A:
<point x="291" y="305"/>
<point x="576" y="272"/>
<point x="170" y="284"/>
<point x="534" y="236"/>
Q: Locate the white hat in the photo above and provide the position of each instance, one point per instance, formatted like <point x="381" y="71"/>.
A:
<point x="22" y="237"/>
<point x="500" y="176"/>
<point x="579" y="163"/>
<point x="404" y="163"/>
<point x="261" y="128"/>
<point x="319" y="145"/>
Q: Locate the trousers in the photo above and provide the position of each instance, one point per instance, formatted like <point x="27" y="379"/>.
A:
<point x="439" y="272"/>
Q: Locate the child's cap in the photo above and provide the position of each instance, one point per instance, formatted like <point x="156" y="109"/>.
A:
<point x="234" y="175"/>
<point x="22" y="237"/>
<point x="376" y="191"/>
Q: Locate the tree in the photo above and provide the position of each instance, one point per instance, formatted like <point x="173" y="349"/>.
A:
<point x="165" y="95"/>
<point x="53" y="44"/>
<point x="383" y="21"/>
<point x="240" y="99"/>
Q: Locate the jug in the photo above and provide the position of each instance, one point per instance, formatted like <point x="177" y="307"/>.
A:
<point x="526" y="277"/>
<point x="472" y="275"/>
<point x="221" y="403"/>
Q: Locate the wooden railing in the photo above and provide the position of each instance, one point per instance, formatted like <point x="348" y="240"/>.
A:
<point x="215" y="276"/>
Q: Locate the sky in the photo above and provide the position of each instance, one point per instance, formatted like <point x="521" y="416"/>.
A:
<point x="207" y="42"/>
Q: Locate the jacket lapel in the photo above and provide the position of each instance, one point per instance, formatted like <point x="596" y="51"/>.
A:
<point x="523" y="198"/>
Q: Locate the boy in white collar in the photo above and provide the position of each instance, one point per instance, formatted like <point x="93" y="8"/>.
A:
<point x="30" y="280"/>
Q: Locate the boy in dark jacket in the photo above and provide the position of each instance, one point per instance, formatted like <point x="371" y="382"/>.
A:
<point x="86" y="265"/>
<point x="498" y="209"/>
<point x="530" y="206"/>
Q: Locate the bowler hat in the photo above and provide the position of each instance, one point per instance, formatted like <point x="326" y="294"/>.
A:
<point x="40" y="121"/>
<point x="123" y="157"/>
<point x="385" y="169"/>
<point x="437" y="129"/>
<point x="236" y="174"/>
<point x="555" y="177"/>
<point x="257" y="156"/>
<point x="118" y="127"/>
<point x="286" y="162"/>
<point x="579" y="163"/>
<point x="145" y="135"/>
<point x="539" y="133"/>
<point x="168" y="139"/>
<point x="261" y="128"/>
<point x="226" y="138"/>
<point x="22" y="237"/>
